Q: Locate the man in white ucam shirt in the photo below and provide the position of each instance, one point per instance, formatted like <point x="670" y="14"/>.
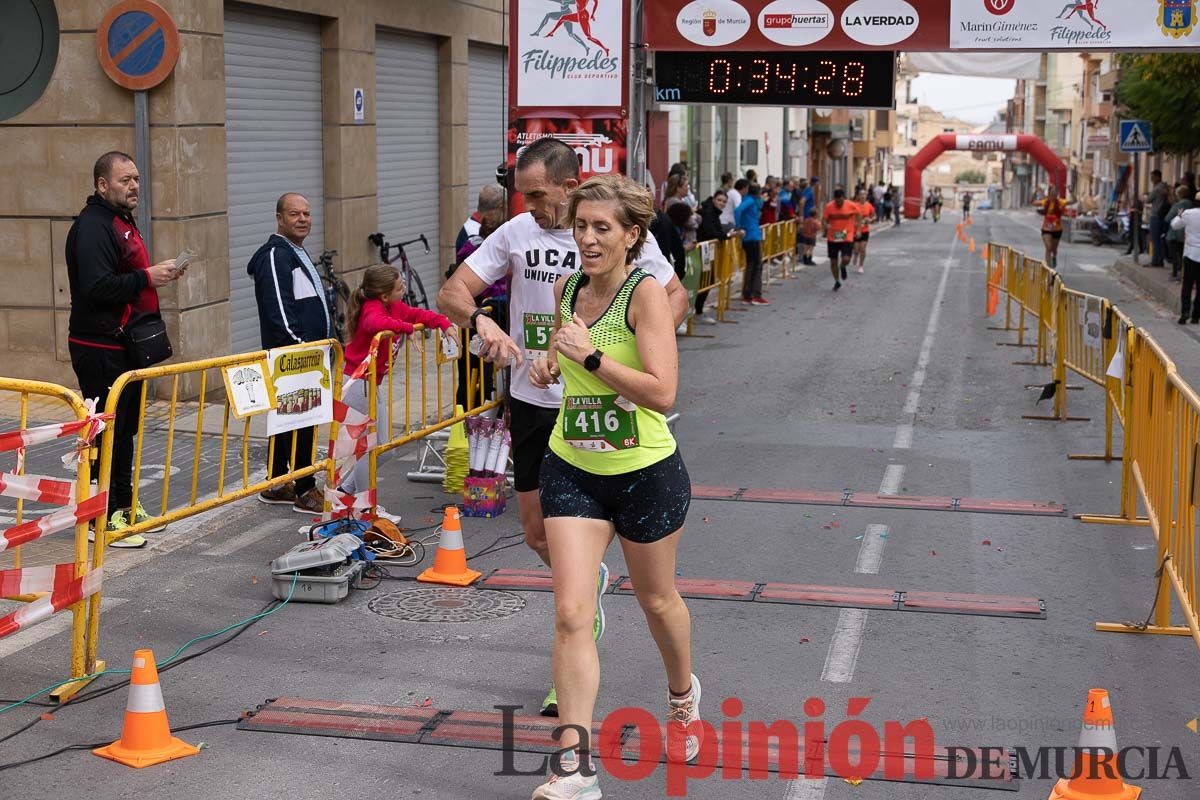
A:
<point x="538" y="248"/>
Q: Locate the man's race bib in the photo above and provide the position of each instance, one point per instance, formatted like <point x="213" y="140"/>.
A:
<point x="839" y="236"/>
<point x="603" y="423"/>
<point x="538" y="328"/>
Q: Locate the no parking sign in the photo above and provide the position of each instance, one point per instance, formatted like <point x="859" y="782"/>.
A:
<point x="137" y="44"/>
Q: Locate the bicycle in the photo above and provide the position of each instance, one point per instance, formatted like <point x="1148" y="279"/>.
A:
<point x="414" y="290"/>
<point x="337" y="294"/>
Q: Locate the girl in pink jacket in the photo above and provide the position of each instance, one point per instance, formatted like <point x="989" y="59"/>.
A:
<point x="375" y="307"/>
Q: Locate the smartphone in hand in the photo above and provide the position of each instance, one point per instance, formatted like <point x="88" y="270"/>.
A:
<point x="182" y="260"/>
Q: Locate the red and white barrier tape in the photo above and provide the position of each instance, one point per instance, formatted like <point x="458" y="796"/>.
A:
<point x="37" y="487"/>
<point x="355" y="438"/>
<point x="86" y="428"/>
<point x="60" y="520"/>
<point x="63" y="593"/>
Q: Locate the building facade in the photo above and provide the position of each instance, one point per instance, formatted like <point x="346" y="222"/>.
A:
<point x="261" y="101"/>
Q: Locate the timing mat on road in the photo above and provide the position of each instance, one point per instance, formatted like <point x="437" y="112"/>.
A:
<point x="800" y="594"/>
<point x="867" y="500"/>
<point x="534" y="734"/>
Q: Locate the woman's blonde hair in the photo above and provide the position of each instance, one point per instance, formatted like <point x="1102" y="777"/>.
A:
<point x="635" y="205"/>
<point x="376" y="282"/>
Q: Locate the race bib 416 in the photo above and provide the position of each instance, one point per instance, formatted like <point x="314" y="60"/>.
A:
<point x="602" y="423"/>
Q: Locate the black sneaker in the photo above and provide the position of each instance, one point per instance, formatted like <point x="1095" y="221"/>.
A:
<point x="1183" y="320"/>
<point x="837" y="285"/>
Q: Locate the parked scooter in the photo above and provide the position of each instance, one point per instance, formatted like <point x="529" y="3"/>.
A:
<point x="1112" y="228"/>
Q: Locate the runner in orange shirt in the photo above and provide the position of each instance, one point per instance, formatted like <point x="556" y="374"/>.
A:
<point x="842" y="220"/>
<point x="867" y="211"/>
<point x="1053" y="208"/>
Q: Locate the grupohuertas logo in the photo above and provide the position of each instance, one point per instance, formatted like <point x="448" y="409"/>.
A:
<point x="713" y="23"/>
<point x="573" y="19"/>
<point x="1080" y="25"/>
<point x="796" y="23"/>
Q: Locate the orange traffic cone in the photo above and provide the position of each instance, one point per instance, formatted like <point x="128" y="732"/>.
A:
<point x="146" y="737"/>
<point x="450" y="563"/>
<point x="1096" y="757"/>
<point x="986" y="253"/>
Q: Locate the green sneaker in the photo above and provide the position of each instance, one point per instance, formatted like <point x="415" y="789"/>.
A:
<point x="550" y="704"/>
<point x="140" y="516"/>
<point x="118" y="522"/>
<point x="601" y="588"/>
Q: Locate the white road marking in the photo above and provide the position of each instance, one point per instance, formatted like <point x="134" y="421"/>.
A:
<point x="893" y="476"/>
<point x="806" y="789"/>
<point x="870" y="554"/>
<point x="1089" y="267"/>
<point x="843" y="649"/>
<point x="44" y="630"/>
<point x="230" y="546"/>
<point x="904" y="432"/>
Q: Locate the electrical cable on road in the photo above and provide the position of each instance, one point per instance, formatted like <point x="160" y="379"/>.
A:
<point x="163" y="666"/>
<point x="92" y="745"/>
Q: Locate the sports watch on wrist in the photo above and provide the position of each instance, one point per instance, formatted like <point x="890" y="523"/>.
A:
<point x="592" y="362"/>
<point x="474" y="314"/>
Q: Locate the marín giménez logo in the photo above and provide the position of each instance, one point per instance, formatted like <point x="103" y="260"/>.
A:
<point x="999" y="7"/>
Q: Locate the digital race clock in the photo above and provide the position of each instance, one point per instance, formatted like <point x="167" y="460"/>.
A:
<point x="802" y="78"/>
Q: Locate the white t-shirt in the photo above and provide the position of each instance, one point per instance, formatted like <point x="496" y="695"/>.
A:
<point x="735" y="199"/>
<point x="538" y="258"/>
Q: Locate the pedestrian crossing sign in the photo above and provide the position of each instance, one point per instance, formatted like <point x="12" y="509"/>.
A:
<point x="1135" y="136"/>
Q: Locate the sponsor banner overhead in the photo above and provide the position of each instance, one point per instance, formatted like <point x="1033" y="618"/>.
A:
<point x="920" y="25"/>
<point x="786" y="24"/>
<point x="599" y="143"/>
<point x="570" y="56"/>
<point x="1072" y="24"/>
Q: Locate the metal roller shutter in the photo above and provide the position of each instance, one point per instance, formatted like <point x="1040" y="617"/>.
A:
<point x="406" y="142"/>
<point x="272" y="141"/>
<point x="486" y="122"/>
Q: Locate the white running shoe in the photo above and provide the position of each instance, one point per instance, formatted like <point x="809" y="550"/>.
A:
<point x="382" y="513"/>
<point x="861" y="270"/>
<point x="682" y="711"/>
<point x="573" y="786"/>
<point x="706" y="319"/>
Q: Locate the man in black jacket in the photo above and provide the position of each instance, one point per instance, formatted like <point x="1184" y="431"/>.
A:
<point x="112" y="284"/>
<point x="291" y="310"/>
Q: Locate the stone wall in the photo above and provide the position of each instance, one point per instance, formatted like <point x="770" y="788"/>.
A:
<point x="50" y="148"/>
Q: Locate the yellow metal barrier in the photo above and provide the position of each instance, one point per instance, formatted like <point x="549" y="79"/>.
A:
<point x="192" y="502"/>
<point x="1158" y="411"/>
<point x="424" y="374"/>
<point x="72" y="409"/>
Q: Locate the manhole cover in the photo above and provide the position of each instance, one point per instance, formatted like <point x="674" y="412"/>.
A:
<point x="446" y="605"/>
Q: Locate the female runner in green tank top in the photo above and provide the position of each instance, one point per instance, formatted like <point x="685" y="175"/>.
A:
<point x="613" y="466"/>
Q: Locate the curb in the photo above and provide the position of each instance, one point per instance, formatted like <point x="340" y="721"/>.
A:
<point x="1166" y="294"/>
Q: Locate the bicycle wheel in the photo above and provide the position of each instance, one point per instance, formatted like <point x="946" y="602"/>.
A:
<point x="415" y="295"/>
<point x="341" y="293"/>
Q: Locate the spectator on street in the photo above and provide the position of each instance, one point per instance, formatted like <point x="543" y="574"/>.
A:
<point x="291" y="310"/>
<point x="1175" y="236"/>
<point x="809" y="230"/>
<point x="747" y="216"/>
<point x="491" y="198"/>
<point x="375" y="307"/>
<point x="770" y="207"/>
<point x="735" y="200"/>
<point x="1189" y="222"/>
<point x="1160" y="204"/>
<point x="113" y="285"/>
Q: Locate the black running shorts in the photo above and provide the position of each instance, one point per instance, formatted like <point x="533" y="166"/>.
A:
<point x="840" y="250"/>
<point x="1056" y="235"/>
<point x="531" y="428"/>
<point x="644" y="506"/>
